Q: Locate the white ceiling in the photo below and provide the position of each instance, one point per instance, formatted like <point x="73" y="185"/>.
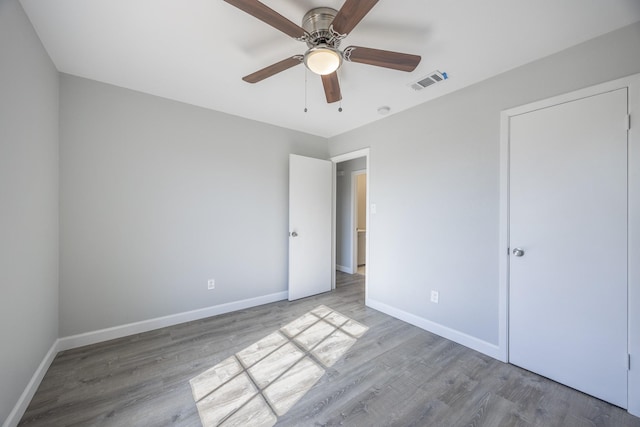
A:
<point x="196" y="51"/>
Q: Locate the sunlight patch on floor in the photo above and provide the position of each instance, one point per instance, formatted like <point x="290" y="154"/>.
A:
<point x="263" y="381"/>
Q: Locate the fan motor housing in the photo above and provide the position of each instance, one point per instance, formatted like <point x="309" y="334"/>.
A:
<point x="316" y="22"/>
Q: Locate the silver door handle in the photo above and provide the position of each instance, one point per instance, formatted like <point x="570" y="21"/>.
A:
<point x="294" y="234"/>
<point x="518" y="252"/>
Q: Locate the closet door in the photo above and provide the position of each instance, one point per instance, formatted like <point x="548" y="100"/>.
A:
<point x="568" y="244"/>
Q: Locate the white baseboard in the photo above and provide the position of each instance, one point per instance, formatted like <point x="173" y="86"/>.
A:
<point x="101" y="335"/>
<point x="344" y="269"/>
<point x="94" y="337"/>
<point x="474" y="343"/>
<point x="25" y="398"/>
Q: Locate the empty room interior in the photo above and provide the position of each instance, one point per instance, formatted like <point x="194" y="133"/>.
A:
<point x="336" y="212"/>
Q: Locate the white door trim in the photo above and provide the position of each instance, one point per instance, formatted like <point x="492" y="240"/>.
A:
<point x="365" y="152"/>
<point x="632" y="83"/>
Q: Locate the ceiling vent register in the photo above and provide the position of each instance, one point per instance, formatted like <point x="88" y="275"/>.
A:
<point x="430" y="79"/>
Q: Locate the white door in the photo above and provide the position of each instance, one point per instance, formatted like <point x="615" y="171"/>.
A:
<point x="568" y="228"/>
<point x="310" y="187"/>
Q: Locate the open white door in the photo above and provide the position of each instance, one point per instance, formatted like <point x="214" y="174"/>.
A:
<point x="310" y="187"/>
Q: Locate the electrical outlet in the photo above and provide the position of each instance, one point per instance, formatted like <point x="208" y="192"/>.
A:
<point x="435" y="296"/>
<point x="211" y="284"/>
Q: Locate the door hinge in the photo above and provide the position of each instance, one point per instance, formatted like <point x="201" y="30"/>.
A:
<point x="628" y="121"/>
<point x="628" y="362"/>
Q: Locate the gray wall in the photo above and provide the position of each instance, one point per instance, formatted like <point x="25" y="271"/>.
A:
<point x="28" y="203"/>
<point x="435" y="181"/>
<point x="344" y="219"/>
<point x="157" y="197"/>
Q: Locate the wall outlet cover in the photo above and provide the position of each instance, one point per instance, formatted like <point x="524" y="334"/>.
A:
<point x="435" y="297"/>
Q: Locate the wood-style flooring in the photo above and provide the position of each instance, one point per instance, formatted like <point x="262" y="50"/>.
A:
<point x="394" y="375"/>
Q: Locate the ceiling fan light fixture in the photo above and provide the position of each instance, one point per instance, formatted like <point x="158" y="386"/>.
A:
<point x="322" y="60"/>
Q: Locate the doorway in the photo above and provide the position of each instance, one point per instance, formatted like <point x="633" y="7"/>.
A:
<point x="351" y="214"/>
<point x="351" y="207"/>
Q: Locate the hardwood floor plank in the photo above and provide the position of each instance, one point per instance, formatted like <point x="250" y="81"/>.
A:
<point x="393" y="375"/>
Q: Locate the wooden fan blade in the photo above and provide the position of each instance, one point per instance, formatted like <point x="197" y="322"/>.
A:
<point x="331" y="87"/>
<point x="351" y="12"/>
<point x="269" y="71"/>
<point x="270" y="16"/>
<point x="382" y="58"/>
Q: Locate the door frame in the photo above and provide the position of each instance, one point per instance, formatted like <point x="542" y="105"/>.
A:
<point x="354" y="219"/>
<point x="632" y="84"/>
<point x="365" y="152"/>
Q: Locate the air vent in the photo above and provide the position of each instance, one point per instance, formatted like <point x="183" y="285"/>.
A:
<point x="429" y="80"/>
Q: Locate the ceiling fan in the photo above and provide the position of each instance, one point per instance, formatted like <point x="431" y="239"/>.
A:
<point x="323" y="29"/>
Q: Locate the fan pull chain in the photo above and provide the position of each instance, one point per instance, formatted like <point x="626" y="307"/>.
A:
<point x="305" y="89"/>
<point x="340" y="106"/>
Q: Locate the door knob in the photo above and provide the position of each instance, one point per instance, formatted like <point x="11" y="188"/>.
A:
<point x="518" y="252"/>
<point x="294" y="234"/>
